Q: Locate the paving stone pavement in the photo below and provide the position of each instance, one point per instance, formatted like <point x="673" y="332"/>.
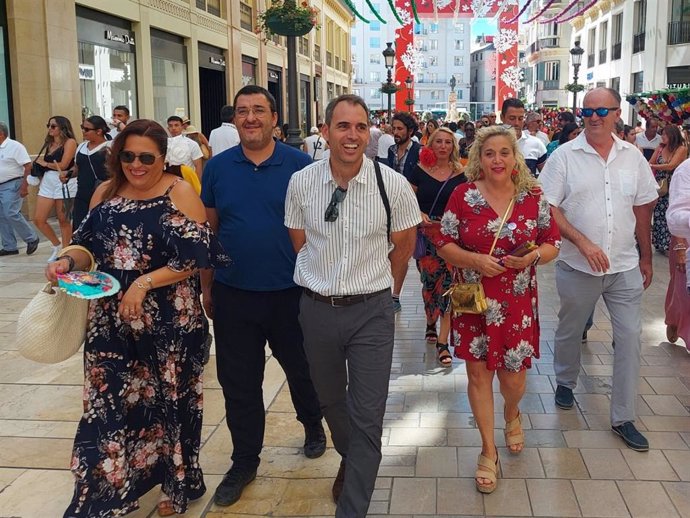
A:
<point x="572" y="464"/>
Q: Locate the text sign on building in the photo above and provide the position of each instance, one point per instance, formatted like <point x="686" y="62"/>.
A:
<point x="216" y="61"/>
<point x="120" y="38"/>
<point x="87" y="73"/>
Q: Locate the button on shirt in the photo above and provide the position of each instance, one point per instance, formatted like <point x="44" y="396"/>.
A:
<point x="597" y="198"/>
<point x="223" y="137"/>
<point x="13" y="158"/>
<point x="250" y="202"/>
<point x="182" y="151"/>
<point x="348" y="256"/>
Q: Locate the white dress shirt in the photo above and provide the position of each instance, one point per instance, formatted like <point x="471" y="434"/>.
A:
<point x="223" y="137"/>
<point x="644" y="143"/>
<point x="348" y="256"/>
<point x="678" y="213"/>
<point x="385" y="141"/>
<point x="183" y="151"/>
<point x="315" y="145"/>
<point x="13" y="158"/>
<point x="597" y="198"/>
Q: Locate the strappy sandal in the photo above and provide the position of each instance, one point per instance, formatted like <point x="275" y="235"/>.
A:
<point x="443" y="355"/>
<point x="514" y="434"/>
<point x="431" y="336"/>
<point x="165" y="508"/>
<point x="488" y="469"/>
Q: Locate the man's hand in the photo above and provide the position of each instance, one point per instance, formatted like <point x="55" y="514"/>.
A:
<point x="598" y="261"/>
<point x="646" y="271"/>
<point x="24" y="189"/>
<point x="207" y="301"/>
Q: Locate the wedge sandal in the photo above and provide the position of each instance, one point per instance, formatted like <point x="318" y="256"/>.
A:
<point x="514" y="434"/>
<point x="488" y="469"/>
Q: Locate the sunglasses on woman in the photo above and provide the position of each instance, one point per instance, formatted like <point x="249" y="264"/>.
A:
<point x="128" y="157"/>
<point x="52" y="126"/>
<point x="601" y="112"/>
<point x="86" y="129"/>
<point x="332" y="210"/>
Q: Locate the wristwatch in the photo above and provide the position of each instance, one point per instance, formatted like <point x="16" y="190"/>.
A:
<point x="536" y="259"/>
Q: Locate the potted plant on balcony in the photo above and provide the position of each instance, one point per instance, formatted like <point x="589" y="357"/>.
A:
<point x="287" y="18"/>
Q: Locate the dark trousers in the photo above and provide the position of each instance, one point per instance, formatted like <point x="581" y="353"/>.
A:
<point x="350" y="351"/>
<point x="243" y="322"/>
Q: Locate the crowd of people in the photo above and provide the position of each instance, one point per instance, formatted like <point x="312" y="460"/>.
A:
<point x="307" y="250"/>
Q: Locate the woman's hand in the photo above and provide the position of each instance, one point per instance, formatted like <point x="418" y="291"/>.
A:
<point x="41" y="162"/>
<point x="56" y="267"/>
<point x="131" y="303"/>
<point x="679" y="258"/>
<point x="425" y="219"/>
<point x="488" y="265"/>
<point x="519" y="263"/>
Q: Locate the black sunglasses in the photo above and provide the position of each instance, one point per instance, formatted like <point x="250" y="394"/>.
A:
<point x="145" y="158"/>
<point x="601" y="112"/>
<point x="52" y="126"/>
<point x="85" y="129"/>
<point x="332" y="209"/>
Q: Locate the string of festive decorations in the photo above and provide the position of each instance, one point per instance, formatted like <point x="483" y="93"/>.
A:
<point x="563" y="13"/>
<point x="581" y="11"/>
<point x="414" y="11"/>
<point x="352" y="8"/>
<point x="522" y="11"/>
<point x="670" y="105"/>
<point x="541" y="11"/>
<point x="376" y="13"/>
<point x="391" y="4"/>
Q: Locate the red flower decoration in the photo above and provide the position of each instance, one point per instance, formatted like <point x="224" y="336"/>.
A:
<point x="427" y="157"/>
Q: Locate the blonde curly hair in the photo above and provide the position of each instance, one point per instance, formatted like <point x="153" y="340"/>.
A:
<point x="524" y="181"/>
<point x="454" y="158"/>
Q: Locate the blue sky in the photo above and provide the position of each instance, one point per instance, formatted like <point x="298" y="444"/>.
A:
<point x="483" y="26"/>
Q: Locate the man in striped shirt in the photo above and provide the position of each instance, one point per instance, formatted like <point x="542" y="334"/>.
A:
<point x="342" y="225"/>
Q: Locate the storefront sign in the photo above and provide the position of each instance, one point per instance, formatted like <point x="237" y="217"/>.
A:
<point x="120" y="38"/>
<point x="87" y="72"/>
<point x="216" y="61"/>
<point x="677" y="85"/>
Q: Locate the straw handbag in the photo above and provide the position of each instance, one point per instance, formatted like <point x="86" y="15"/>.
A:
<point x="52" y="327"/>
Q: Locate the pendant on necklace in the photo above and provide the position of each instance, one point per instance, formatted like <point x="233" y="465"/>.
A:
<point x="512" y="226"/>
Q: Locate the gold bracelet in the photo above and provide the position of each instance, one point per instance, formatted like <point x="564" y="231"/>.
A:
<point x="148" y="286"/>
<point x="680" y="247"/>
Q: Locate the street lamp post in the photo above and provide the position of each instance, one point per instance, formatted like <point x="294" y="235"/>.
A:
<point x="408" y="83"/>
<point x="389" y="60"/>
<point x="576" y="56"/>
<point x="294" y="137"/>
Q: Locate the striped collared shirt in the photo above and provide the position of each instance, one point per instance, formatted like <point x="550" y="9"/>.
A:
<point x="348" y="256"/>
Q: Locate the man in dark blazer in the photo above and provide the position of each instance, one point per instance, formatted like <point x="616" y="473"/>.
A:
<point x="404" y="154"/>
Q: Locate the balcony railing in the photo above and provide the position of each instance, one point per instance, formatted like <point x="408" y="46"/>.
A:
<point x="678" y="32"/>
<point x="552" y="84"/>
<point x="638" y="42"/>
<point x="549" y="42"/>
<point x="590" y="60"/>
<point x="602" y="56"/>
<point x="616" y="51"/>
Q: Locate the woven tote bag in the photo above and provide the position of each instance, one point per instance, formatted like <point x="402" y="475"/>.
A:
<point x="52" y="327"/>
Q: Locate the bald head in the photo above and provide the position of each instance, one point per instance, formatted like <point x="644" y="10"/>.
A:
<point x="611" y="96"/>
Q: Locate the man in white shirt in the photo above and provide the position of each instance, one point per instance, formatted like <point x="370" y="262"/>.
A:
<point x="15" y="166"/>
<point x="182" y="150"/>
<point x="534" y="151"/>
<point x="373" y="146"/>
<point x="533" y="121"/>
<point x="386" y="140"/>
<point x="678" y="213"/>
<point x="224" y="136"/>
<point x="315" y="145"/>
<point x="603" y="193"/>
<point x="120" y="119"/>
<point x="650" y="139"/>
<point x="341" y="223"/>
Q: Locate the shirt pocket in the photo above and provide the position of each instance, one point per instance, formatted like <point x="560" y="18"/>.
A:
<point x="628" y="182"/>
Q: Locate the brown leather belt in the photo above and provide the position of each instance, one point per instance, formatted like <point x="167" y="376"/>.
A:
<point x="344" y="300"/>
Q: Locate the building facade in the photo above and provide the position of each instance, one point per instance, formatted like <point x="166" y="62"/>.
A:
<point x="483" y="78"/>
<point x="547" y="55"/>
<point x="159" y="58"/>
<point x="445" y="46"/>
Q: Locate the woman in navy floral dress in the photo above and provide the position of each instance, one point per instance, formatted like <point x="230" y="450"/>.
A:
<point x="506" y="337"/>
<point x="143" y="355"/>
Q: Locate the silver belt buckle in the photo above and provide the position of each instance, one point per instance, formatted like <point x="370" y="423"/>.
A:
<point x="333" y="304"/>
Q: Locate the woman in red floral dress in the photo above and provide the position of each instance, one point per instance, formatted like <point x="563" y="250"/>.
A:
<point x="506" y="337"/>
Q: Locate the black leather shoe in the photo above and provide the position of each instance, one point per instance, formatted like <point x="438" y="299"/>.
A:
<point x="8" y="252"/>
<point x="314" y="441"/>
<point x="31" y="247"/>
<point x="339" y="482"/>
<point x="564" y="397"/>
<point x="632" y="438"/>
<point x="230" y="489"/>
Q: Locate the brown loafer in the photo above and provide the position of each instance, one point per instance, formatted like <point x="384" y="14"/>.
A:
<point x="339" y="482"/>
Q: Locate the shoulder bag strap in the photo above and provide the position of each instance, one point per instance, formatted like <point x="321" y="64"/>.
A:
<point x="44" y="148"/>
<point x="503" y="221"/>
<point x="384" y="197"/>
<point x="433" y="205"/>
<point x="316" y="148"/>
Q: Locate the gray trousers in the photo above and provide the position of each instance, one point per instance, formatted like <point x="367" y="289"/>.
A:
<point x="350" y="351"/>
<point x="622" y="294"/>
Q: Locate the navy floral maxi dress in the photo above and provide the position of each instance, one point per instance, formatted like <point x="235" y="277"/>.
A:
<point x="143" y="397"/>
<point x="506" y="337"/>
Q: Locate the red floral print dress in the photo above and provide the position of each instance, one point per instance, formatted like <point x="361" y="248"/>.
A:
<point x="507" y="335"/>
